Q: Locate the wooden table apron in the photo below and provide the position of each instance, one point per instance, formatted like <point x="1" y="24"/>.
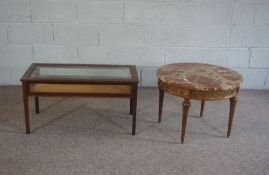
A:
<point x="197" y="95"/>
<point x="26" y="88"/>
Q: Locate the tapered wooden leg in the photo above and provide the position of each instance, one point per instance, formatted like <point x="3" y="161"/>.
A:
<point x="202" y="108"/>
<point x="26" y="106"/>
<point x="233" y="102"/>
<point x="134" y="108"/>
<point x="186" y="105"/>
<point x="161" y="95"/>
<point x="37" y="105"/>
<point x="131" y="106"/>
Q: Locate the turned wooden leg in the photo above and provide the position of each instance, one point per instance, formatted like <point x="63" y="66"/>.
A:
<point x="131" y="106"/>
<point x="161" y="95"/>
<point x="202" y="108"/>
<point x="26" y="106"/>
<point x="233" y="102"/>
<point x="37" y="105"/>
<point x="186" y="105"/>
<point x="134" y="108"/>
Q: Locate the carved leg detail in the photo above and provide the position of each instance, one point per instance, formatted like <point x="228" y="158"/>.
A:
<point x="202" y="108"/>
<point x="161" y="95"/>
<point x="186" y="105"/>
<point x="233" y="102"/>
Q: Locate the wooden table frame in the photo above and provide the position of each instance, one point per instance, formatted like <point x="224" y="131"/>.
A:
<point x="203" y="96"/>
<point x="27" y="81"/>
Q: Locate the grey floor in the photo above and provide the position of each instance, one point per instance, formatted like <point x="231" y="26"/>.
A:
<point x="93" y="136"/>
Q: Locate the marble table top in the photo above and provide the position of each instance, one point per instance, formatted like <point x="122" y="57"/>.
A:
<point x="201" y="77"/>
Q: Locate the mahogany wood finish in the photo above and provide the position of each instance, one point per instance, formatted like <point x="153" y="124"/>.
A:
<point x="26" y="106"/>
<point x="204" y="82"/>
<point x="161" y="96"/>
<point x="134" y="99"/>
<point x="37" y="105"/>
<point x="202" y="108"/>
<point x="131" y="106"/>
<point x="98" y="87"/>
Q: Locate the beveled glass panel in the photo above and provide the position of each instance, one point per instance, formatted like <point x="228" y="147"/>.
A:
<point x="82" y="72"/>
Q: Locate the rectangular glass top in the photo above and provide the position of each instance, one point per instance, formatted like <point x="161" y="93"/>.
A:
<point x="92" y="72"/>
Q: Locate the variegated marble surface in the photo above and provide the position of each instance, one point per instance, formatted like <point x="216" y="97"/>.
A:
<point x="202" y="77"/>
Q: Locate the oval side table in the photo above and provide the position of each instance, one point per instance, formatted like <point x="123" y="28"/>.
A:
<point x="195" y="81"/>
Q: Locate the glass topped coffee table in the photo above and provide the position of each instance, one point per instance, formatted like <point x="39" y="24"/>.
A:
<point x="80" y="80"/>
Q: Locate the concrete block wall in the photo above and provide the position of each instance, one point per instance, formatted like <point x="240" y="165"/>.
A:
<point x="148" y="33"/>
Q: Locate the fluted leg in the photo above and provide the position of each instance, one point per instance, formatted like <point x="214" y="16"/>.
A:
<point x="233" y="102"/>
<point x="186" y="105"/>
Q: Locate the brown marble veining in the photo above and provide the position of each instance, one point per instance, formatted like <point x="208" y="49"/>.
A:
<point x="202" y="77"/>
